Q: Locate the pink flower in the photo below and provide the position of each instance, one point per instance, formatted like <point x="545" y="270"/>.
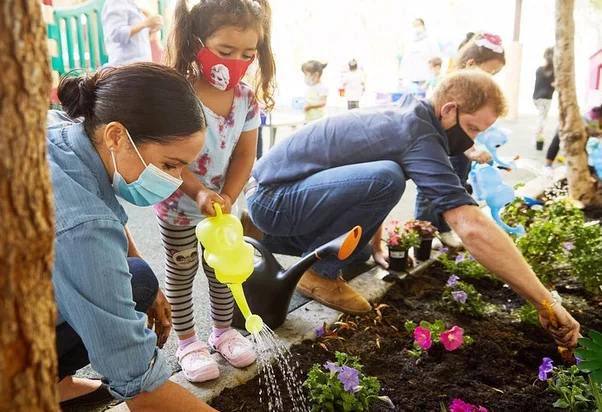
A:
<point x="458" y="405"/>
<point x="422" y="336"/>
<point x="453" y="338"/>
<point x="393" y="241"/>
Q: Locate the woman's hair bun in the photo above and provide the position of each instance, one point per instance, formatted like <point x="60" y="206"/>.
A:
<point x="77" y="95"/>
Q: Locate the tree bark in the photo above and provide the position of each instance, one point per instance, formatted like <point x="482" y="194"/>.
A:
<point x="27" y="338"/>
<point x="572" y="132"/>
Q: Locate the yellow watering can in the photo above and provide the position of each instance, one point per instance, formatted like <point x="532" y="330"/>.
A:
<point x="230" y="257"/>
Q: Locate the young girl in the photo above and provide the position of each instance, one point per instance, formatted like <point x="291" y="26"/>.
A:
<point x="213" y="44"/>
<point x="354" y="85"/>
<point x="317" y="92"/>
<point x="544" y="90"/>
<point x="483" y="51"/>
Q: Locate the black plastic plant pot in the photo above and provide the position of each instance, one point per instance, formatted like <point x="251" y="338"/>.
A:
<point x="539" y="145"/>
<point x="424" y="251"/>
<point x="398" y="259"/>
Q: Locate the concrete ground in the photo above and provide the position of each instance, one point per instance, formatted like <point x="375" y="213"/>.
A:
<point x="145" y="230"/>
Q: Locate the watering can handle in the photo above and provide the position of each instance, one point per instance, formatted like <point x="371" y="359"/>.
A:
<point x="258" y="246"/>
<point x="218" y="209"/>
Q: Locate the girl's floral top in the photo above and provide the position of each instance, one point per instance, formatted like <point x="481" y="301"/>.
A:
<point x="212" y="164"/>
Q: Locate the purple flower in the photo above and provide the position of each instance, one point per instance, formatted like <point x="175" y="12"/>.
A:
<point x="568" y="246"/>
<point x="460" y="258"/>
<point x="443" y="250"/>
<point x="578" y="360"/>
<point x="452" y="280"/>
<point x="545" y="368"/>
<point x="349" y="378"/>
<point x="470" y="257"/>
<point x="333" y="368"/>
<point x="459" y="296"/>
<point x="320" y="331"/>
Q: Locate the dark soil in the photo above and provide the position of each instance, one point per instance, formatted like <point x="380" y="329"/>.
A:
<point x="499" y="370"/>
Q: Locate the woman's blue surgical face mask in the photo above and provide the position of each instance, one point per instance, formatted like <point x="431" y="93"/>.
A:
<point x="152" y="186"/>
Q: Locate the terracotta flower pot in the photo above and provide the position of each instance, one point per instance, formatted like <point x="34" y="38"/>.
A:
<point x="398" y="259"/>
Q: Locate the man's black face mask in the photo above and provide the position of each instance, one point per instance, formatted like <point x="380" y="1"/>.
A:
<point x="457" y="138"/>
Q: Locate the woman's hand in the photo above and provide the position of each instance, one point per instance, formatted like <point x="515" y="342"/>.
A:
<point x="205" y="198"/>
<point x="159" y="318"/>
<point x="566" y="331"/>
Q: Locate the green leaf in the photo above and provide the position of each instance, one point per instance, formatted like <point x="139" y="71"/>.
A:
<point x="561" y="403"/>
<point x="596" y="337"/>
<point x="597" y="376"/>
<point x="588" y="366"/>
<point x="589" y="344"/>
<point x="590" y="354"/>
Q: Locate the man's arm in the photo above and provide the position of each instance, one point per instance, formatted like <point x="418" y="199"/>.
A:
<point x="493" y="248"/>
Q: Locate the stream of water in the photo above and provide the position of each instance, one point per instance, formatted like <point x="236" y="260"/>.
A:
<point x="278" y="373"/>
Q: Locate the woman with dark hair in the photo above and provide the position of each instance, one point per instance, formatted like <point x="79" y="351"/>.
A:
<point x="126" y="132"/>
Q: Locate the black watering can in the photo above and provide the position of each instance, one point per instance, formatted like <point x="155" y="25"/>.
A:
<point x="270" y="288"/>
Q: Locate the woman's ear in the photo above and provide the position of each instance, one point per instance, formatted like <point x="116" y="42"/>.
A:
<point x="115" y="136"/>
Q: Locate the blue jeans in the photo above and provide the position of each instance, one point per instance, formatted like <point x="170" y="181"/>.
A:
<point x="298" y="217"/>
<point x="423" y="210"/>
<point x="71" y="352"/>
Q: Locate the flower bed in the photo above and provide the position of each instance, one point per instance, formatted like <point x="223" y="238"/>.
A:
<point x="498" y="370"/>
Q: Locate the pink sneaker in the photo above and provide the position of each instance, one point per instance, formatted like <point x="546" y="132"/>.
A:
<point x="234" y="347"/>
<point x="197" y="363"/>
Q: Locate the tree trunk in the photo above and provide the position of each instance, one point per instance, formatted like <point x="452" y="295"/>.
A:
<point x="27" y="341"/>
<point x="571" y="128"/>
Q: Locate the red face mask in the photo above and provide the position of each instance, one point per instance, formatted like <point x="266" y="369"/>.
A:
<point x="223" y="74"/>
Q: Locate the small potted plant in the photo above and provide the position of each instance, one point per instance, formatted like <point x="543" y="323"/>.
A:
<point x="539" y="140"/>
<point x="426" y="231"/>
<point x="399" y="242"/>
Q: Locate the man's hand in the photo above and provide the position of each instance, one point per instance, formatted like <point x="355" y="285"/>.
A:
<point x="381" y="256"/>
<point x="206" y="198"/>
<point x="567" y="331"/>
<point x="159" y="318"/>
<point x="479" y="156"/>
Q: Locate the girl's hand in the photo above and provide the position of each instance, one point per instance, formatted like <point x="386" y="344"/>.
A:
<point x="227" y="206"/>
<point x="206" y="198"/>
